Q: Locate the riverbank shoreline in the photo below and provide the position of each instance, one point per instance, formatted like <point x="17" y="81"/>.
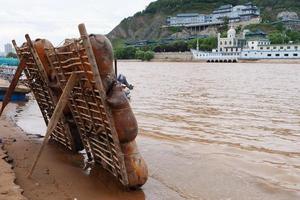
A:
<point x="178" y="60"/>
<point x="60" y="174"/>
<point x="8" y="189"/>
<point x="216" y="168"/>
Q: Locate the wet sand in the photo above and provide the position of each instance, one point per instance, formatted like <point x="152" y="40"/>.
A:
<point x="61" y="175"/>
<point x="216" y="132"/>
<point x="177" y="171"/>
<point x="8" y="189"/>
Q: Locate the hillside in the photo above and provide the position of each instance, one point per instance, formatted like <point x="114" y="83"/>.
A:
<point x="148" y="23"/>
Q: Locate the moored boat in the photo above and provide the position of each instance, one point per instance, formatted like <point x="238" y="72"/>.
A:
<point x="19" y="93"/>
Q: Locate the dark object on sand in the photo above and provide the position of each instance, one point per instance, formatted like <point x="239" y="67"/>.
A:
<point x="98" y="116"/>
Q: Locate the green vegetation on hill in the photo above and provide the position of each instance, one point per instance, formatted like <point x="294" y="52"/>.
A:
<point x="169" y="7"/>
<point x="284" y="37"/>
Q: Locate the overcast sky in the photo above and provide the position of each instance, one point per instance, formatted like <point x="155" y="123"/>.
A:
<point x="58" y="19"/>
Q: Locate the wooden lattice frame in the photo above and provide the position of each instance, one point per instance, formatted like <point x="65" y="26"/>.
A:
<point x="38" y="82"/>
<point x="88" y="104"/>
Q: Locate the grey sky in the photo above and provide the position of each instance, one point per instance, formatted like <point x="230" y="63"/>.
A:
<point x="58" y="19"/>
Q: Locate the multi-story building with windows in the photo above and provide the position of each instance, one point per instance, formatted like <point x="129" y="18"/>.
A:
<point x="232" y="13"/>
<point x="236" y="13"/>
<point x="185" y="19"/>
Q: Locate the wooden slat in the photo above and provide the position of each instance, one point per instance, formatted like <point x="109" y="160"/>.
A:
<point x="55" y="117"/>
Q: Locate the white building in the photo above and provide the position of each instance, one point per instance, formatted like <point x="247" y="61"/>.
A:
<point x="230" y="43"/>
<point x="233" y="13"/>
<point x="232" y="49"/>
<point x="236" y="13"/>
<point x="185" y="19"/>
<point x="228" y="50"/>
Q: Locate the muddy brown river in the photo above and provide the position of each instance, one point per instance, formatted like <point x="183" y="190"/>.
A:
<point x="213" y="131"/>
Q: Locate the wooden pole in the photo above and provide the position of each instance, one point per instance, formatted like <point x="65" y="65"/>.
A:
<point x="116" y="68"/>
<point x="13" y="85"/>
<point x="37" y="59"/>
<point x="56" y="116"/>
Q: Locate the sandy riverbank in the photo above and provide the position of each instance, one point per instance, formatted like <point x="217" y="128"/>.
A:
<point x="8" y="189"/>
<point x="60" y="174"/>
<point x="179" y="169"/>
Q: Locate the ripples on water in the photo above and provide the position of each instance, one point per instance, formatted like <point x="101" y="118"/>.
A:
<point x="255" y="106"/>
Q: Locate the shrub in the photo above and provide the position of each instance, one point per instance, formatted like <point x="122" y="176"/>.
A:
<point x="148" y="55"/>
<point x="125" y="53"/>
<point x="140" y="54"/>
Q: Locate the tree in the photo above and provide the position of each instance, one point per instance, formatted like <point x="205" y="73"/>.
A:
<point x="205" y="44"/>
<point x="293" y="36"/>
<point x="225" y="26"/>
<point x="239" y="29"/>
<point x="278" y="38"/>
<point x="11" y="55"/>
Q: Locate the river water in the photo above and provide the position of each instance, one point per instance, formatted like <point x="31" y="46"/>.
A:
<point x="214" y="131"/>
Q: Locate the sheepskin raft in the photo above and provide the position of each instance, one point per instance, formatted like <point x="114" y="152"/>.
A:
<point x="77" y="82"/>
<point x="39" y="83"/>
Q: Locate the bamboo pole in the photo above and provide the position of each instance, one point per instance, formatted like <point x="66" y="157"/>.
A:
<point x="56" y="116"/>
<point x="13" y="85"/>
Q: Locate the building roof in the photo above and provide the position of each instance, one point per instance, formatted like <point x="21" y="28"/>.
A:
<point x="228" y="6"/>
<point x="187" y="15"/>
<point x="231" y="31"/>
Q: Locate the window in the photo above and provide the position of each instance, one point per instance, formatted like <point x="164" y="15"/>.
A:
<point x="277" y="54"/>
<point x="281" y="47"/>
<point x="261" y="48"/>
<point x="274" y="47"/>
<point x="269" y="55"/>
<point x="221" y="43"/>
<point x="252" y="47"/>
<point x="252" y="42"/>
<point x="296" y="47"/>
<point x="230" y="42"/>
<point x="246" y="54"/>
<point x="288" y="47"/>
<point x="268" y="47"/>
<point x="295" y="54"/>
<point x="286" y="54"/>
<point x="225" y="42"/>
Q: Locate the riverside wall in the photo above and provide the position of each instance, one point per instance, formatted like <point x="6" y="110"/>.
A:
<point x="173" y="56"/>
